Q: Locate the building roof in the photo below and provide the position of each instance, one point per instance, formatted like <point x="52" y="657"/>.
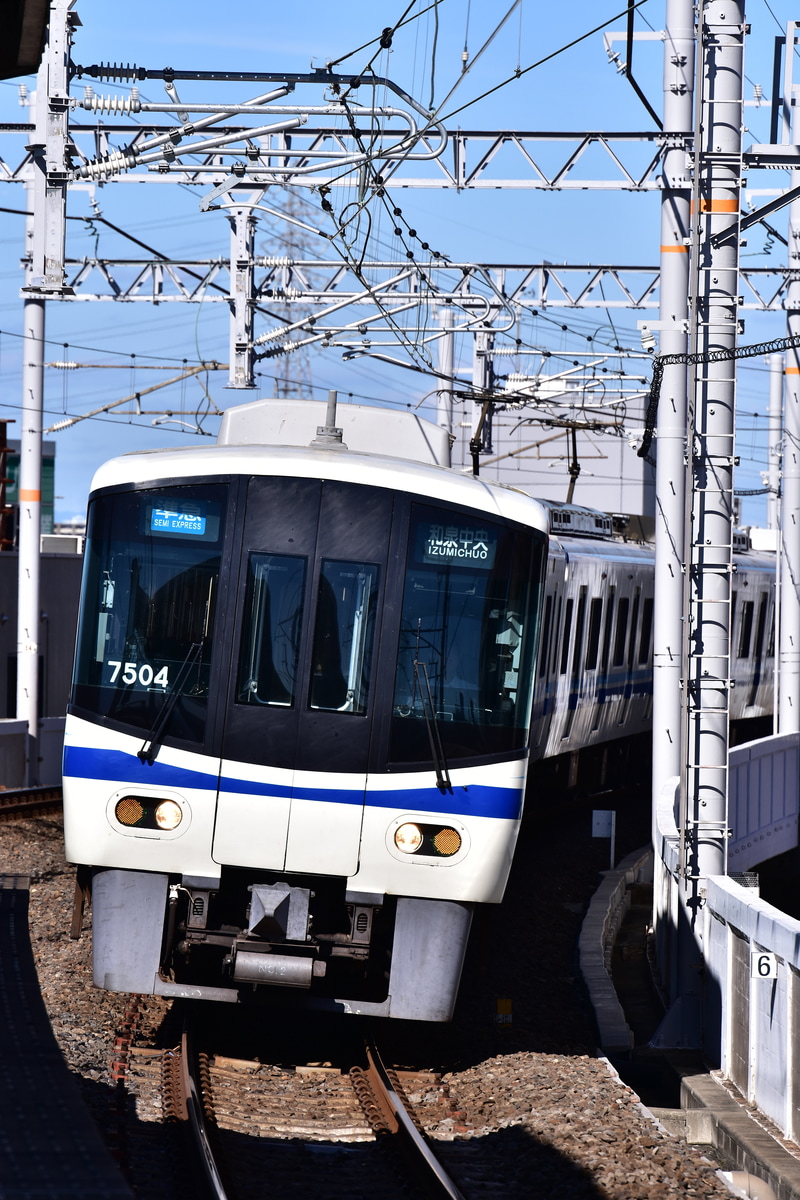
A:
<point x="24" y="27"/>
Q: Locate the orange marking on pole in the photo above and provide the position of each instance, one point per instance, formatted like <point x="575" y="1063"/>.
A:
<point x="792" y="371"/>
<point x="674" y="249"/>
<point x="29" y="494"/>
<point x="718" y="206"/>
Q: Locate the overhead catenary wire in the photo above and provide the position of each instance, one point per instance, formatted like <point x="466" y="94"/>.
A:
<point x="757" y="350"/>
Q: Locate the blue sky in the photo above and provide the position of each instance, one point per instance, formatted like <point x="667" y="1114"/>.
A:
<point x="575" y="90"/>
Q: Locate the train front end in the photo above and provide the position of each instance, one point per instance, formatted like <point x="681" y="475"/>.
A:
<point x="298" y="737"/>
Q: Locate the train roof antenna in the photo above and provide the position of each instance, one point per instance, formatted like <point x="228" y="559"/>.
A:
<point x="329" y="435"/>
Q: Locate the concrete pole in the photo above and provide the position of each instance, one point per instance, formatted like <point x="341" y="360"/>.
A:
<point x="444" y="397"/>
<point x="789" y="552"/>
<point x="30" y="504"/>
<point x="679" y="54"/>
<point x="711" y="446"/>
<point x="774" y="424"/>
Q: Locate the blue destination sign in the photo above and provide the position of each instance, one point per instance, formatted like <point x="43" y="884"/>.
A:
<point x="165" y="520"/>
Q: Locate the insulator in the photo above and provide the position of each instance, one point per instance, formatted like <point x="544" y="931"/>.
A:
<point x="270" y="261"/>
<point x="111" y="72"/>
<point x="113" y="164"/>
<point x="113" y="104"/>
<point x="269" y="336"/>
<point x="62" y="425"/>
<point x="64" y="366"/>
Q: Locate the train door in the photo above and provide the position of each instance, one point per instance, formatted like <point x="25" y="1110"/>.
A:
<point x="298" y="721"/>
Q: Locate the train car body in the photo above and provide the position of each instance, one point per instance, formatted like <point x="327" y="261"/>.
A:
<point x="310" y="679"/>
<point x="297" y="744"/>
<point x="594" y="669"/>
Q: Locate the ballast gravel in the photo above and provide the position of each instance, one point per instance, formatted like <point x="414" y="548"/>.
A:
<point x="532" y="1112"/>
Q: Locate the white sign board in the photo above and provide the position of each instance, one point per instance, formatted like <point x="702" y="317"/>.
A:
<point x="763" y="965"/>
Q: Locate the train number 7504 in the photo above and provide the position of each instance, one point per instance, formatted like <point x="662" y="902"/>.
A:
<point x="138" y="673"/>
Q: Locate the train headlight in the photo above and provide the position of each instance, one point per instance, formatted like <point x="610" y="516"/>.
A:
<point x="168" y="815"/>
<point x="408" y="838"/>
<point x="427" y="842"/>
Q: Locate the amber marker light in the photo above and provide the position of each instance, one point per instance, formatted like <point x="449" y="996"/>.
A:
<point x="129" y="811"/>
<point x="408" y="838"/>
<point x="168" y="815"/>
<point x="447" y="842"/>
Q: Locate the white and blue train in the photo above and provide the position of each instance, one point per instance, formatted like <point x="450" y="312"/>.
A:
<point x="311" y="676"/>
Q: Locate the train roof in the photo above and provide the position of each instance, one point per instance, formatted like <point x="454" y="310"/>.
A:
<point x="159" y="467"/>
<point x="394" y="433"/>
<point x="375" y="446"/>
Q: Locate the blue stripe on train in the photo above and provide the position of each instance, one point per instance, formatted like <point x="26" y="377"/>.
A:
<point x="84" y="762"/>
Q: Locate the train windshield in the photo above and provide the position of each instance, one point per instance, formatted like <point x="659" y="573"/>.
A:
<point x="467" y="635"/>
<point x="148" y="603"/>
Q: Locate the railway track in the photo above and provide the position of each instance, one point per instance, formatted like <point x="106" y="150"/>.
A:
<point x="316" y="1128"/>
<point x="29" y="802"/>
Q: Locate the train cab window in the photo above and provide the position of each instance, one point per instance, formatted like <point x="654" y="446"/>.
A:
<point x="745" y="629"/>
<point x="621" y="632"/>
<point x="344" y="630"/>
<point x="273" y="614"/>
<point x="467" y="635"/>
<point x="148" y="604"/>
<point x="593" y="640"/>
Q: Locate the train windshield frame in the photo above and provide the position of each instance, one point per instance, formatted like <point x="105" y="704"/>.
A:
<point x="148" y="606"/>
<point x="469" y="615"/>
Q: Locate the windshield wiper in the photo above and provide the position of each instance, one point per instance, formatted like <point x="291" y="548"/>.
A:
<point x="434" y="737"/>
<point x="151" y="744"/>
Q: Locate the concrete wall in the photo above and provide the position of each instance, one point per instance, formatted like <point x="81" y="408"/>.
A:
<point x="60" y="582"/>
<point x="763" y="800"/>
<point x="759" y="1046"/>
<point x="13" y="737"/>
<point x="745" y="1014"/>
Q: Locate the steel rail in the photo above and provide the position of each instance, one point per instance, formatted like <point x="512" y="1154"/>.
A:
<point x="435" y="1180"/>
<point x="193" y="1098"/>
<point x="18" y="802"/>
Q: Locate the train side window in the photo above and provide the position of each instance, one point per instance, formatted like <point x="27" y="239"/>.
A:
<point x="566" y="637"/>
<point x="273" y="616"/>
<point x="761" y="626"/>
<point x="344" y="631"/>
<point x="608" y="628"/>
<point x="746" y="629"/>
<point x="557" y="626"/>
<point x="580" y="619"/>
<point x="593" y="641"/>
<point x="621" y="631"/>
<point x="647" y="629"/>
<point x="634" y="622"/>
<point x="545" y="647"/>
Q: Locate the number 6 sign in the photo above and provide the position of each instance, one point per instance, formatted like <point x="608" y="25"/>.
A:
<point x="763" y="965"/>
